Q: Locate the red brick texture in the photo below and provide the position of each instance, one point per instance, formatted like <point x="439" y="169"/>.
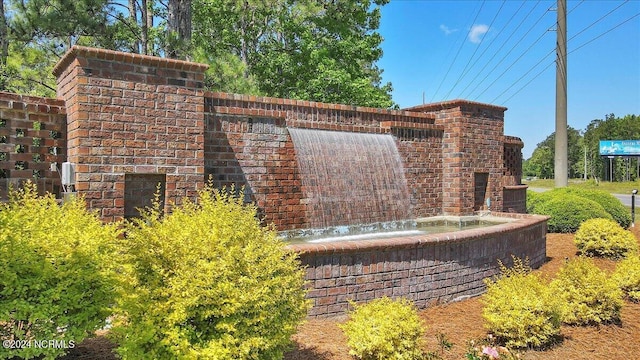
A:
<point x="247" y="143"/>
<point x="474" y="143"/>
<point x="32" y="137"/>
<point x="129" y="113"/>
<point x="134" y="114"/>
<point x="427" y="269"/>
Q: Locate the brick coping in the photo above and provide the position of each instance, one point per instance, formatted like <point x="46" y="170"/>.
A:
<point x="315" y="104"/>
<point x="449" y="104"/>
<point x="516" y="187"/>
<point x="31" y="99"/>
<point x="119" y="56"/>
<point x="521" y="221"/>
<point x="513" y="140"/>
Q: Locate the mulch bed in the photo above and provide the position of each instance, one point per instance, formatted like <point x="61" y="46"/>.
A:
<point x="461" y="322"/>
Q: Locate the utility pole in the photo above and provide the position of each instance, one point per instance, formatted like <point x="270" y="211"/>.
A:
<point x="561" y="155"/>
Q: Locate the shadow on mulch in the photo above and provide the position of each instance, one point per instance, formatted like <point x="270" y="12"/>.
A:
<point x="301" y="353"/>
<point x="97" y="348"/>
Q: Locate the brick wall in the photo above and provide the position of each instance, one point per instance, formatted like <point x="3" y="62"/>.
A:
<point x="427" y="269"/>
<point x="247" y="143"/>
<point x="131" y="114"/>
<point x="32" y="137"/>
<point x="135" y="114"/>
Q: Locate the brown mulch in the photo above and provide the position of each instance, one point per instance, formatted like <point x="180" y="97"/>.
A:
<point x="461" y="322"/>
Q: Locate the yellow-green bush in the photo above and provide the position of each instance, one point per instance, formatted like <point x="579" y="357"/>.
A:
<point x="385" y="329"/>
<point x="207" y="282"/>
<point x="588" y="295"/>
<point x="627" y="277"/>
<point x="604" y="237"/>
<point x="568" y="211"/>
<point x="52" y="282"/>
<point x="519" y="309"/>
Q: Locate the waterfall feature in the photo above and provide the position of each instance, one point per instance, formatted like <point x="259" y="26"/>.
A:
<point x="350" y="178"/>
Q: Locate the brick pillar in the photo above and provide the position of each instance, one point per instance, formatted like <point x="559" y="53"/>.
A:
<point x="131" y="114"/>
<point x="472" y="147"/>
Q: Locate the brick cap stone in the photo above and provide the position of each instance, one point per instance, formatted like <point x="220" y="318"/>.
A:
<point x="31" y="99"/>
<point x="513" y="140"/>
<point x="339" y="247"/>
<point x="449" y="104"/>
<point x="315" y="104"/>
<point x="138" y="59"/>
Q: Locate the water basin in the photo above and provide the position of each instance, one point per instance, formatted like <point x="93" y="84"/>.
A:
<point x="391" y="229"/>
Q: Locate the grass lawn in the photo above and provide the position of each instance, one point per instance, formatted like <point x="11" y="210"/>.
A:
<point x="611" y="187"/>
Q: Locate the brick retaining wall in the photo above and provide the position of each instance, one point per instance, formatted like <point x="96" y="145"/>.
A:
<point x="427" y="269"/>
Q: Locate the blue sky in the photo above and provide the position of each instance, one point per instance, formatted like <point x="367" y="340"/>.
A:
<point x="501" y="49"/>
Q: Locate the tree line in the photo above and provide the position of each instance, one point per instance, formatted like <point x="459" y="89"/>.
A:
<point x="585" y="146"/>
<point x="318" y="50"/>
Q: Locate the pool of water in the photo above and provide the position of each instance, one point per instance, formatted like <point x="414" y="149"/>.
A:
<point x="382" y="230"/>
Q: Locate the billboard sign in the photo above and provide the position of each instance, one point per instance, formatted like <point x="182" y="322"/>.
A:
<point x="620" y="147"/>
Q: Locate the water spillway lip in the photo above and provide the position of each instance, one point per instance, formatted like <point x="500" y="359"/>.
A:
<point x="368" y="236"/>
<point x="394" y="229"/>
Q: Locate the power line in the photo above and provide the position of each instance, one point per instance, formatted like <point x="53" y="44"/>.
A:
<point x="547" y="55"/>
<point x="575" y="7"/>
<point x="604" y="33"/>
<point x="510" y="50"/>
<point x="522" y="77"/>
<point x="512" y="64"/>
<point x="491" y="43"/>
<point x="458" y="53"/>
<point x="464" y="70"/>
<point x="597" y="21"/>
<point x="570" y="52"/>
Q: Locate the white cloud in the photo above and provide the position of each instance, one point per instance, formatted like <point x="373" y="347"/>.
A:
<point x="445" y="29"/>
<point x="476" y="33"/>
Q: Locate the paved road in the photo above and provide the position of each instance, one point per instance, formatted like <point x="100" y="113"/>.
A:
<point x="624" y="198"/>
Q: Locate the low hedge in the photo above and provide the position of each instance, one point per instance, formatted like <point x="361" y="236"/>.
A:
<point x="627" y="276"/>
<point x="587" y="294"/>
<point x="536" y="203"/>
<point x="610" y="203"/>
<point x="605" y="238"/>
<point x="568" y="211"/>
<point x="55" y="284"/>
<point x="520" y="309"/>
<point x="385" y="329"/>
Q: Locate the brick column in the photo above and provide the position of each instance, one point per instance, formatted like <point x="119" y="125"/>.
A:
<point x="472" y="148"/>
<point x="131" y="114"/>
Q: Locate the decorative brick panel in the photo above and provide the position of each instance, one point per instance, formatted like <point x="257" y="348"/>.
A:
<point x="32" y="137"/>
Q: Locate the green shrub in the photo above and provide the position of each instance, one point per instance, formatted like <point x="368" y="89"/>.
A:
<point x="207" y="281"/>
<point x="627" y="277"/>
<point x="52" y="282"/>
<point x="533" y="199"/>
<point x="609" y="203"/>
<point x="385" y="329"/>
<point x="519" y="309"/>
<point x="567" y="212"/>
<point x="604" y="237"/>
<point x="587" y="294"/>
